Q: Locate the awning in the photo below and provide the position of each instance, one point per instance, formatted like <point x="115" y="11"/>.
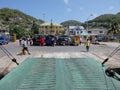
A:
<point x="84" y="33"/>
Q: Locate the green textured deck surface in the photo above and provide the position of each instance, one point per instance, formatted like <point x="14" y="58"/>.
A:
<point x="59" y="74"/>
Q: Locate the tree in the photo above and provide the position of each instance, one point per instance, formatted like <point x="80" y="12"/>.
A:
<point x="35" y="28"/>
<point x="114" y="28"/>
<point x="19" y="31"/>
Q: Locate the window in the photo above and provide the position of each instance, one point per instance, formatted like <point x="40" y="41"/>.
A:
<point x="101" y="32"/>
<point x="89" y="32"/>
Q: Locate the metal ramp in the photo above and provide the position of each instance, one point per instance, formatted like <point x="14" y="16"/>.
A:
<point x="59" y="74"/>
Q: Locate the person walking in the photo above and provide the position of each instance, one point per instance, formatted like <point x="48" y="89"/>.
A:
<point x="25" y="47"/>
<point x="87" y="44"/>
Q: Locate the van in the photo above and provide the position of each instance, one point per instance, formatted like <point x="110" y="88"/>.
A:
<point x="3" y="40"/>
<point x="75" y="40"/>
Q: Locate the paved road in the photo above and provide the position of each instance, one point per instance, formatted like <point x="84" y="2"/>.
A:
<point x="96" y="51"/>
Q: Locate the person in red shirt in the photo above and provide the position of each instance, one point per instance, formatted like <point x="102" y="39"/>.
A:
<point x="42" y="40"/>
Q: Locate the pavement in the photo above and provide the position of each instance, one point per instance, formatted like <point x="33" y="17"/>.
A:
<point x="114" y="61"/>
<point x="20" y="58"/>
<point x="113" y="44"/>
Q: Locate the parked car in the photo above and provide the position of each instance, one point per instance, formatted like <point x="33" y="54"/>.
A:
<point x="36" y="39"/>
<point x="3" y="40"/>
<point x="64" y="40"/>
<point x="50" y="40"/>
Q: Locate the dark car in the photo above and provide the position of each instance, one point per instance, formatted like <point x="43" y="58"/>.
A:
<point x="50" y="40"/>
<point x="3" y="40"/>
<point x="36" y="39"/>
<point x="63" y="40"/>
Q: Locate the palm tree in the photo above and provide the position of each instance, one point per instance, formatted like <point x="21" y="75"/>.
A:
<point x="114" y="28"/>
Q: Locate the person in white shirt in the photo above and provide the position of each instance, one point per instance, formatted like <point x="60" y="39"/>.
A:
<point x="25" y="46"/>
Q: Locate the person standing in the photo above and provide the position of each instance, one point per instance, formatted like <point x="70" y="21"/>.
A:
<point x="42" y="40"/>
<point x="87" y="44"/>
<point x="80" y="40"/>
<point x="20" y="41"/>
<point x="25" y="47"/>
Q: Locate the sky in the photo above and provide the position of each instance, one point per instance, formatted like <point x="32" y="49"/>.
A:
<point x="63" y="10"/>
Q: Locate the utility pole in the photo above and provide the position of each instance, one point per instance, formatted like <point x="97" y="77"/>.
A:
<point x="51" y="25"/>
<point x="44" y="22"/>
<point x="87" y="21"/>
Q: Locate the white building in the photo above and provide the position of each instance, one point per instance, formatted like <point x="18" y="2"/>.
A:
<point x="98" y="33"/>
<point x="75" y="30"/>
<point x="79" y="30"/>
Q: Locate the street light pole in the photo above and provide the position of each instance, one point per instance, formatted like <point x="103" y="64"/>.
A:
<point x="51" y="26"/>
<point x="44" y="21"/>
<point x="87" y="21"/>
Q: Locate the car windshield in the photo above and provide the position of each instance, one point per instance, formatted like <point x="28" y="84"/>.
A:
<point x="1" y="38"/>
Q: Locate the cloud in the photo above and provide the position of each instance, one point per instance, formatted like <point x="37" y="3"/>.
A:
<point x="81" y="8"/>
<point x="111" y="8"/>
<point x="69" y="10"/>
<point x="66" y="1"/>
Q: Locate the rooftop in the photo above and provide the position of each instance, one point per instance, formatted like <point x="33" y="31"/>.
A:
<point x="49" y="24"/>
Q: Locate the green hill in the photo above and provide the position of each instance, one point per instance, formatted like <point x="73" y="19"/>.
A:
<point x="104" y="20"/>
<point x="100" y="21"/>
<point x="8" y="16"/>
<point x="108" y="18"/>
<point x="71" y="23"/>
<point x="17" y="22"/>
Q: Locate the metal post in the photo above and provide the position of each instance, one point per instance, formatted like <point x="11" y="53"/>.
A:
<point x="14" y="37"/>
<point x="51" y="26"/>
<point x="44" y="21"/>
<point x="87" y="22"/>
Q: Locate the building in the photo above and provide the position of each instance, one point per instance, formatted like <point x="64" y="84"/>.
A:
<point x="75" y="30"/>
<point x="51" y="28"/>
<point x="4" y="32"/>
<point x="79" y="30"/>
<point x="97" y="33"/>
<point x="4" y="29"/>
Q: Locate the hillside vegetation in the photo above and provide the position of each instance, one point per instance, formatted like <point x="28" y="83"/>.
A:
<point x="104" y="20"/>
<point x="100" y="21"/>
<point x="8" y="16"/>
<point x="14" y="21"/>
<point x="71" y="23"/>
